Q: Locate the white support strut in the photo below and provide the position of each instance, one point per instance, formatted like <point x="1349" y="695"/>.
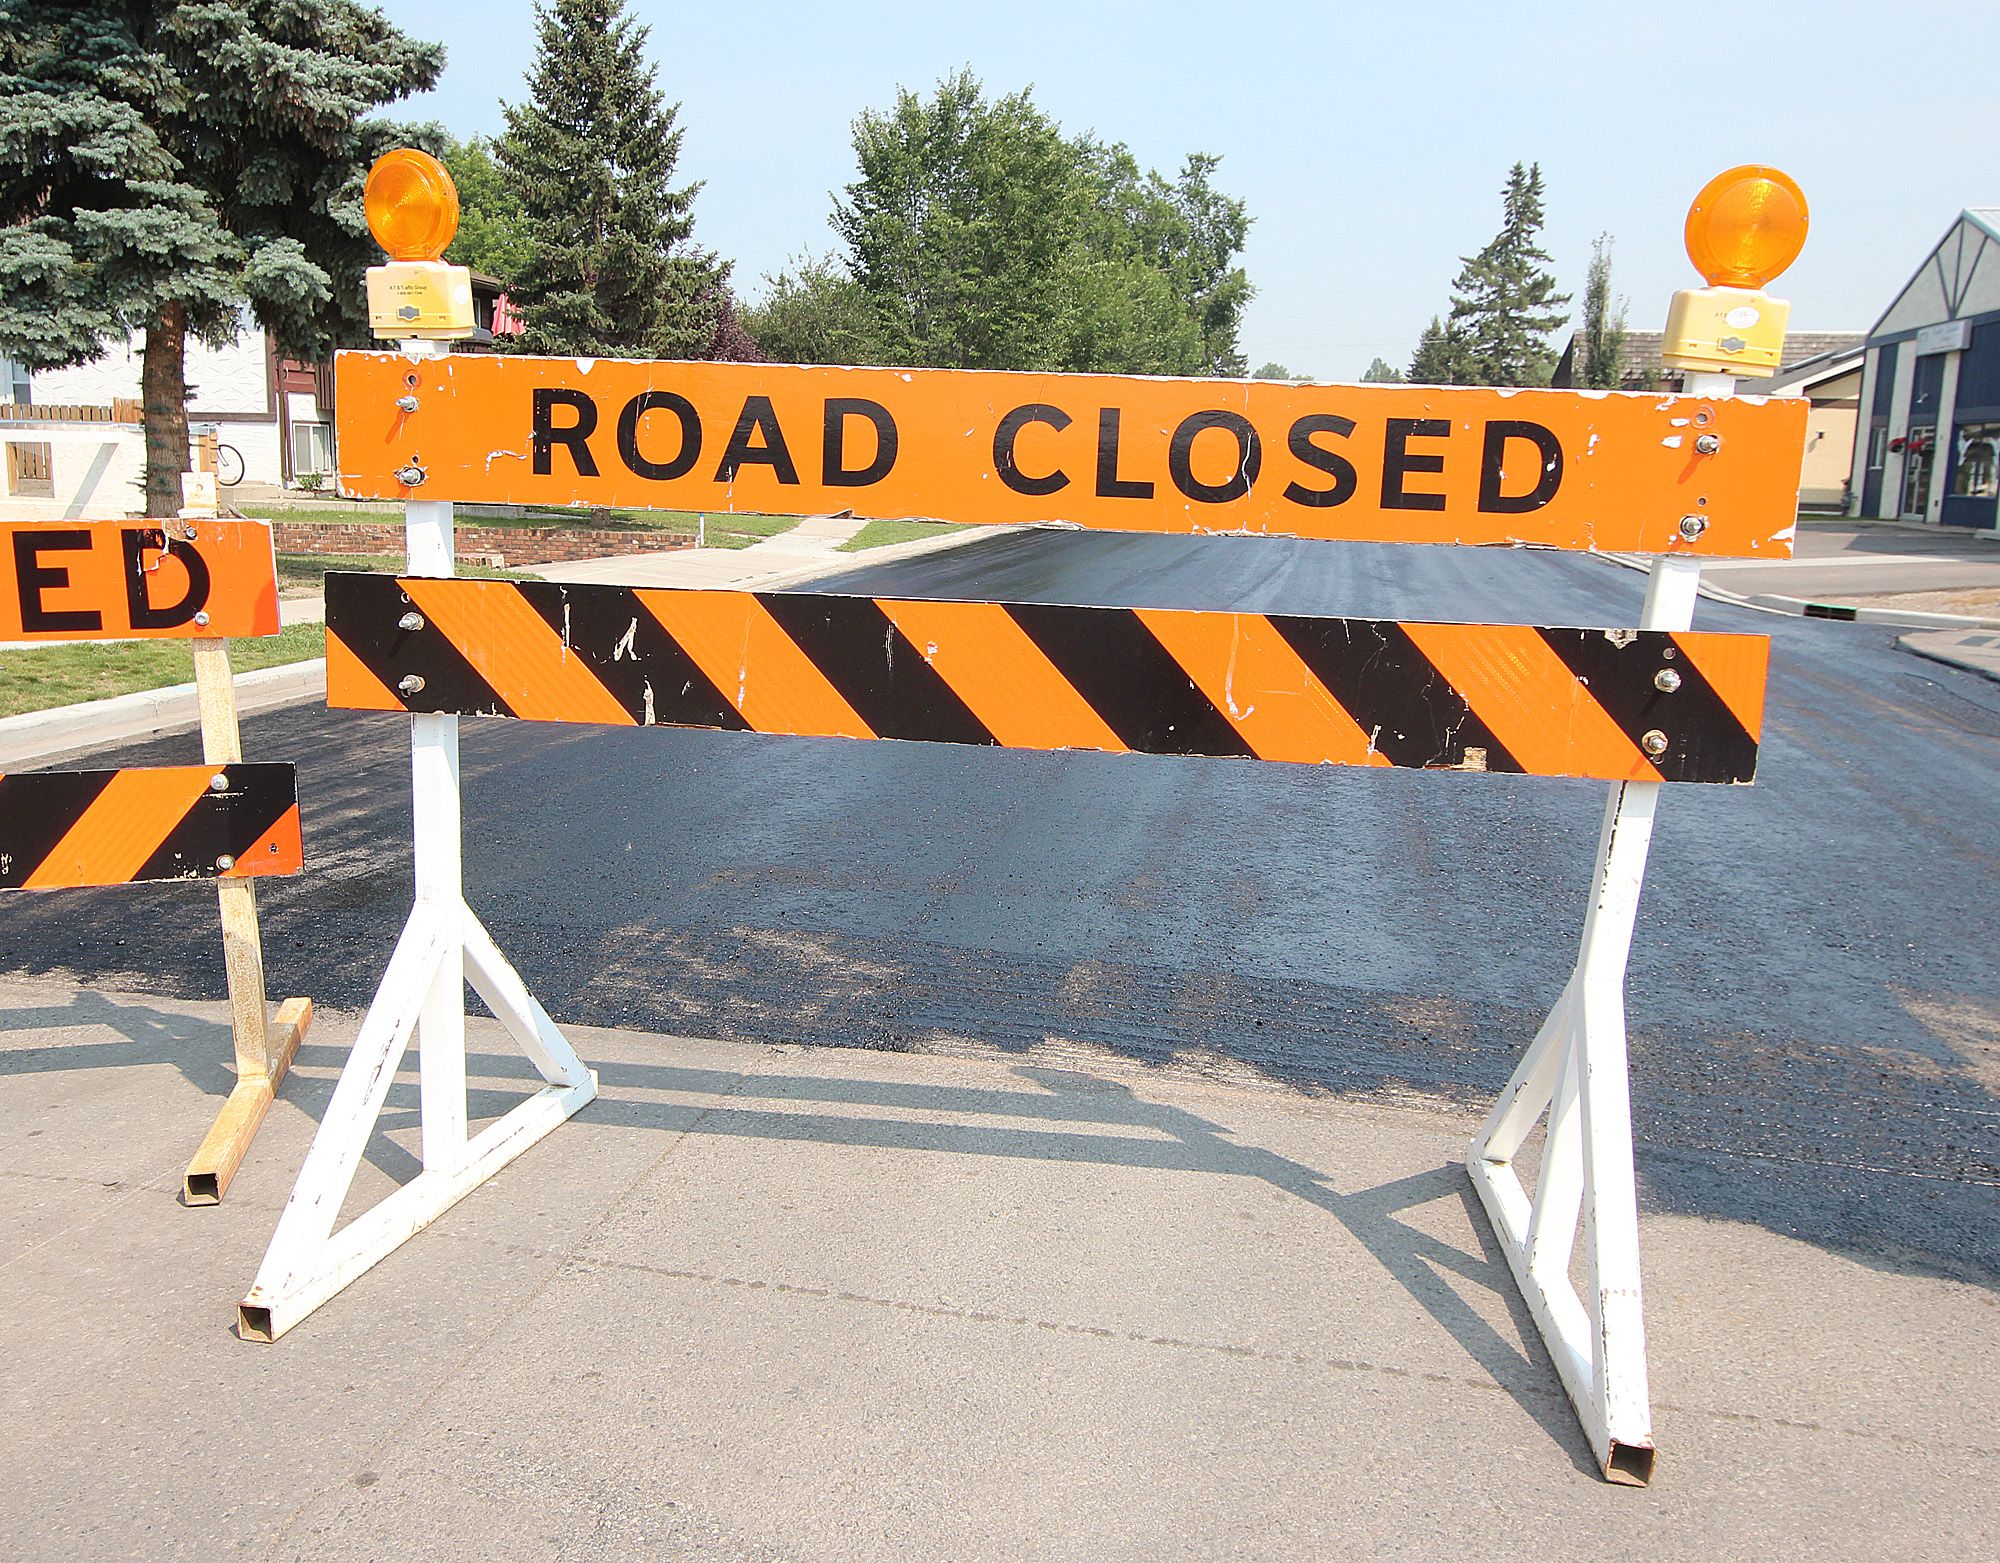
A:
<point x="1574" y="1074"/>
<point x="422" y="995"/>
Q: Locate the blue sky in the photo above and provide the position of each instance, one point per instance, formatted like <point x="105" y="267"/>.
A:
<point x="1370" y="142"/>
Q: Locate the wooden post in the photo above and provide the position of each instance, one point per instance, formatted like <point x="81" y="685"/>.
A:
<point x="264" y="1047"/>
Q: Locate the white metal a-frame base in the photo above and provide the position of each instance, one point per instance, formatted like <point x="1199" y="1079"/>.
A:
<point x="1574" y="1075"/>
<point x="441" y="949"/>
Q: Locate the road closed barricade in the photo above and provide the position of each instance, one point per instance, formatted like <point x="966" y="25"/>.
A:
<point x="203" y="581"/>
<point x="1682" y="477"/>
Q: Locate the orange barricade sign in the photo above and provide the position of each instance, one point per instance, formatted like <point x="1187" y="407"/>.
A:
<point x="74" y="580"/>
<point x="1620" y="471"/>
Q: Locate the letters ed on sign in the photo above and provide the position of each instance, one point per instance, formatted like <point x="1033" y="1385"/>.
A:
<point x="73" y="580"/>
<point x="1646" y="472"/>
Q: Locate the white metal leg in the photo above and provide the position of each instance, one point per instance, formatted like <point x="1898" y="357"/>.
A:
<point x="1574" y="1074"/>
<point x="443" y="947"/>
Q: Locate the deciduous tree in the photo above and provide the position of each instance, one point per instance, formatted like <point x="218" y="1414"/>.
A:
<point x="1603" y="346"/>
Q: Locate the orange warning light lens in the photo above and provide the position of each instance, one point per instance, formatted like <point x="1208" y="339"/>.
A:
<point x="412" y="205"/>
<point x="1747" y="225"/>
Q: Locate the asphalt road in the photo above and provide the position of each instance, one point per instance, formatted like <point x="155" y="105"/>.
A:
<point x="1814" y="1008"/>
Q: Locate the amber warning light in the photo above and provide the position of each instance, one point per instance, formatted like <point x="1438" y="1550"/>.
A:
<point x="412" y="210"/>
<point x="1745" y="227"/>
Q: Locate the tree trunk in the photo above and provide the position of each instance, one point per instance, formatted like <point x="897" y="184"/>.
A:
<point x="163" y="384"/>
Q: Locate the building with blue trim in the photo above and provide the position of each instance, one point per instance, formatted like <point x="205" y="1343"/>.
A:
<point x="1929" y="446"/>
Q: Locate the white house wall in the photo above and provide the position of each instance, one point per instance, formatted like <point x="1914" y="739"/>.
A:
<point x="231" y="383"/>
<point x="1922" y="303"/>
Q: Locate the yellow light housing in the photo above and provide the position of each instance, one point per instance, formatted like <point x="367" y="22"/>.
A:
<point x="412" y="205"/>
<point x="1747" y="225"/>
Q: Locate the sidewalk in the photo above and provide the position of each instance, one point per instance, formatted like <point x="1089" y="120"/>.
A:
<point x="764" y="1302"/>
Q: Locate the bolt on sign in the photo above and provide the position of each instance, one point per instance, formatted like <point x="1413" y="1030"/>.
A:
<point x="1618" y="471"/>
<point x="145" y="580"/>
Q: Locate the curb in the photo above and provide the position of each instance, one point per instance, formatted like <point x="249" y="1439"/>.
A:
<point x="37" y="736"/>
<point x="1800" y="608"/>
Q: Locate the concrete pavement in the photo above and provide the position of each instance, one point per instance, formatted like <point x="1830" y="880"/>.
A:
<point x="763" y="1302"/>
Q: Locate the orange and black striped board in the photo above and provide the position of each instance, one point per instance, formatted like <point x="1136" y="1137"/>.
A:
<point x="1623" y="705"/>
<point x="62" y="829"/>
<point x="140" y="580"/>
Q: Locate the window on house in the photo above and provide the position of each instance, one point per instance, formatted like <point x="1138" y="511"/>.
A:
<point x="312" y="448"/>
<point x="1977" y="474"/>
<point x="1878" y="445"/>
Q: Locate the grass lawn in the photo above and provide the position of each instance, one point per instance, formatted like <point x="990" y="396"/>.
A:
<point x="741" y="531"/>
<point x="879" y="534"/>
<point x="46" y="676"/>
<point x="304" y="575"/>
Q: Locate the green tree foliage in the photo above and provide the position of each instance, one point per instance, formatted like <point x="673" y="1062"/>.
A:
<point x="1504" y="301"/>
<point x="493" y="225"/>
<point x="1603" y="333"/>
<point x="1381" y="372"/>
<point x="1442" y="356"/>
<point x="611" y="268"/>
<point x="979" y="236"/>
<point x="1272" y="371"/>
<point x="815" y="313"/>
<point x="165" y="165"/>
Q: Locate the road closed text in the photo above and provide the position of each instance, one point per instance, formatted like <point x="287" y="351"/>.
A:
<point x="1384" y="463"/>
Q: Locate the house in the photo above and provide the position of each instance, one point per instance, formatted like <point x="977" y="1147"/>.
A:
<point x="1831" y="382"/>
<point x="1931" y="388"/>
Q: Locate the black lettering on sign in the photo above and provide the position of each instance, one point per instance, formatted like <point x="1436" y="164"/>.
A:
<point x="1003" y="448"/>
<point x="1109" y="484"/>
<point x="834" y="471"/>
<point x="571" y="437"/>
<point x="758" y="417"/>
<point x="1399" y="462"/>
<point x="1334" y="465"/>
<point x="1249" y="457"/>
<point x="146" y="614"/>
<point x="32" y="578"/>
<point x="628" y="435"/>
<point x="1547" y="481"/>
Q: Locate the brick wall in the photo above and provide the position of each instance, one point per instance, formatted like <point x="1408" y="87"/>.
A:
<point x="514" y="545"/>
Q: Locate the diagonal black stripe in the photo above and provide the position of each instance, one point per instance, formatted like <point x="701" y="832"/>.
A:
<point x="365" y="612"/>
<point x="1410" y="711"/>
<point x="1129" y="678"/>
<point x="641" y="666"/>
<point x="879" y="673"/>
<point x="228" y="822"/>
<point x="37" y="810"/>
<point x="1705" y="742"/>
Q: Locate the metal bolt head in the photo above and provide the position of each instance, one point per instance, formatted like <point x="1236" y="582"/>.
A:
<point x="1666" y="681"/>
<point x="219" y="782"/>
<point x="406" y="403"/>
<point x="201" y="616"/>
<point x="188" y="531"/>
<point x="411" y="476"/>
<point x="410" y="683"/>
<point x="410" y="621"/>
<point x="1708" y="444"/>
<point x="1654" y="743"/>
<point x="1693" y="526"/>
<point x="225" y="862"/>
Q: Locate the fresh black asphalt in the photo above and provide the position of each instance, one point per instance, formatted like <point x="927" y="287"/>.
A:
<point x="1814" y="1006"/>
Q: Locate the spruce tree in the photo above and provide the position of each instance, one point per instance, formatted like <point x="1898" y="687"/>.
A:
<point x="163" y="165"/>
<point x="1504" y="301"/>
<point x="1441" y="357"/>
<point x="611" y="267"/>
<point x="1603" y="333"/>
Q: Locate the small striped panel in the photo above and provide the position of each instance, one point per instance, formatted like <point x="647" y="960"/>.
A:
<point x="61" y="829"/>
<point x="1620" y="705"/>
